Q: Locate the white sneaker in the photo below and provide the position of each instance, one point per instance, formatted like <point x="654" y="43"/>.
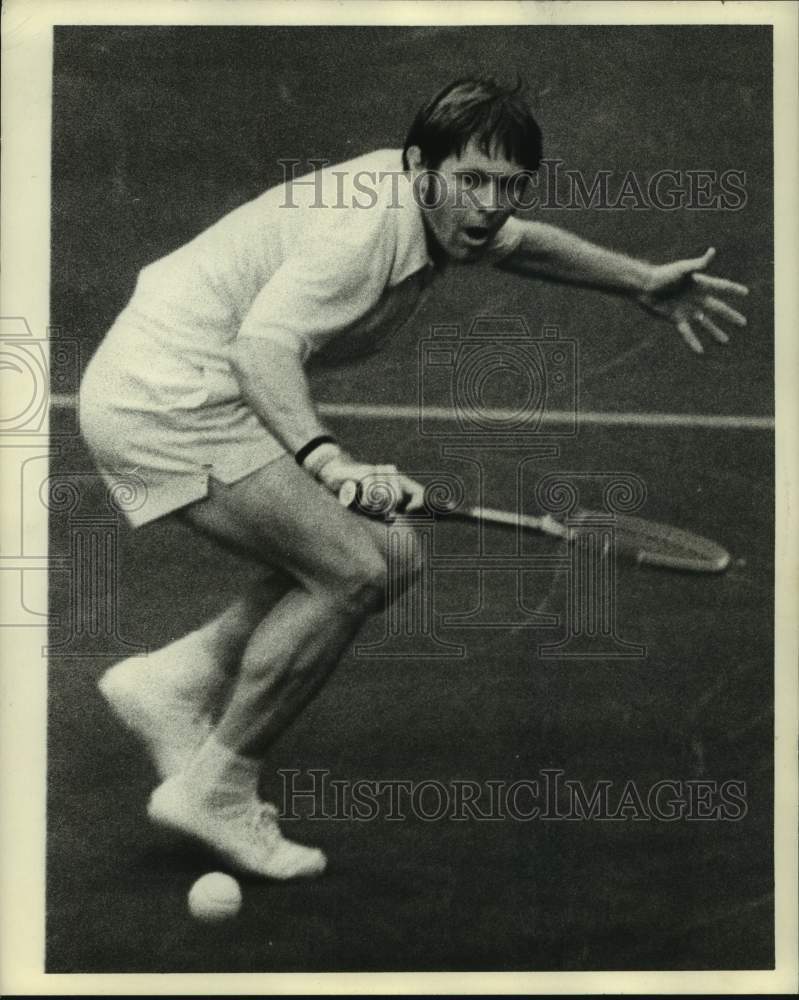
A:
<point x="245" y="835"/>
<point x="172" y="726"/>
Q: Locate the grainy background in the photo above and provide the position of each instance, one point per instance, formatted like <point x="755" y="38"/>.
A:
<point x="156" y="133"/>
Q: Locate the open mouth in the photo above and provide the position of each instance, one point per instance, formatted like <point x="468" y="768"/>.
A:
<point x="477" y="233"/>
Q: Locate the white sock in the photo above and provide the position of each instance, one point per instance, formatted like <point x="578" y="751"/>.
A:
<point x="223" y="777"/>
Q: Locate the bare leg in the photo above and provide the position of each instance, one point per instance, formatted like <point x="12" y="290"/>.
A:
<point x="289" y="655"/>
<point x="170" y="698"/>
<point x="338" y="565"/>
<point x="198" y="663"/>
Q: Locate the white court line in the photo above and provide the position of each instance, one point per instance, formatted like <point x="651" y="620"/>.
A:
<point x="385" y="411"/>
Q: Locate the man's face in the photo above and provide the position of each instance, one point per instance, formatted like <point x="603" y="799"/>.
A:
<point x="466" y="199"/>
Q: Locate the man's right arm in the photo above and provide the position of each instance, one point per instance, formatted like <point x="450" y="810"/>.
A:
<point x="320" y="290"/>
<point x="273" y="383"/>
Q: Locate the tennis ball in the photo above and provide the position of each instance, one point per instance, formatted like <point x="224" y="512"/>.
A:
<point x="214" y="897"/>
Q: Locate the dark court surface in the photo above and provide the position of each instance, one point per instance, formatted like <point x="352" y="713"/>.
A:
<point x="505" y="894"/>
<point x="146" y="153"/>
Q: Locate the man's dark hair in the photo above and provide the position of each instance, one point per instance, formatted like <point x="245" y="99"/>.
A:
<point x="496" y="116"/>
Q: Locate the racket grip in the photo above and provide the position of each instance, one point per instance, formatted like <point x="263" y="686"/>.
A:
<point x="379" y="503"/>
<point x="349" y="494"/>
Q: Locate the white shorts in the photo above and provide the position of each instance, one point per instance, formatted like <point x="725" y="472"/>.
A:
<point x="159" y="426"/>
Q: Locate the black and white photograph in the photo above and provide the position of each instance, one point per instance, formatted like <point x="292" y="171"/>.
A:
<point x="413" y="590"/>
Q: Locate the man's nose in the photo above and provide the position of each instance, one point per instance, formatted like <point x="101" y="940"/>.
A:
<point x="486" y="197"/>
<point x="490" y="203"/>
<point x="491" y="211"/>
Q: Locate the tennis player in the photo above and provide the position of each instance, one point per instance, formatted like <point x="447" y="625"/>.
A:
<point x="200" y="387"/>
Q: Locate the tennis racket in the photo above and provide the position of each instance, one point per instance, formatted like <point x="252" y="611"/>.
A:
<point x="645" y="543"/>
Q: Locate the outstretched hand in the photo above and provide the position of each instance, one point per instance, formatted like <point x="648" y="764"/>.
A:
<point x="690" y="299"/>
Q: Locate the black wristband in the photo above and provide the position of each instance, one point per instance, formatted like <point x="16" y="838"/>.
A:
<point x="312" y="445"/>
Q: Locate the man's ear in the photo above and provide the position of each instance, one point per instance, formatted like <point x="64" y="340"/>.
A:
<point x="414" y="157"/>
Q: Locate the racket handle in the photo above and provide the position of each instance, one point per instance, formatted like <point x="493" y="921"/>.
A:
<point x="380" y="504"/>
<point x="349" y="494"/>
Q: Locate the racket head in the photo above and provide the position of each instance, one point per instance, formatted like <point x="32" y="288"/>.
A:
<point x="650" y="543"/>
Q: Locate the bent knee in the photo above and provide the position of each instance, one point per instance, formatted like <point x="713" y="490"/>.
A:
<point x="359" y="588"/>
<point x="381" y="574"/>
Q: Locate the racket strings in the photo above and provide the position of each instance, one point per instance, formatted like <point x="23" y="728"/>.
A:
<point x="655" y="544"/>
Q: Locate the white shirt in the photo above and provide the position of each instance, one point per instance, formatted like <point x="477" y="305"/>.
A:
<point x="330" y="265"/>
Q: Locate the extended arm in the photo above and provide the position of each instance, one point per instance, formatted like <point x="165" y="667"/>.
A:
<point x="677" y="291"/>
<point x="550" y="252"/>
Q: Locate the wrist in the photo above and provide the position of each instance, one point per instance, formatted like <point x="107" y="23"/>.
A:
<point x="322" y="457"/>
<point x="316" y="453"/>
<point x="337" y="470"/>
<point x="644" y="280"/>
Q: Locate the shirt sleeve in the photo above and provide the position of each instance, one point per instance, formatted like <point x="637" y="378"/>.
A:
<point x="506" y="240"/>
<point x="319" y="291"/>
